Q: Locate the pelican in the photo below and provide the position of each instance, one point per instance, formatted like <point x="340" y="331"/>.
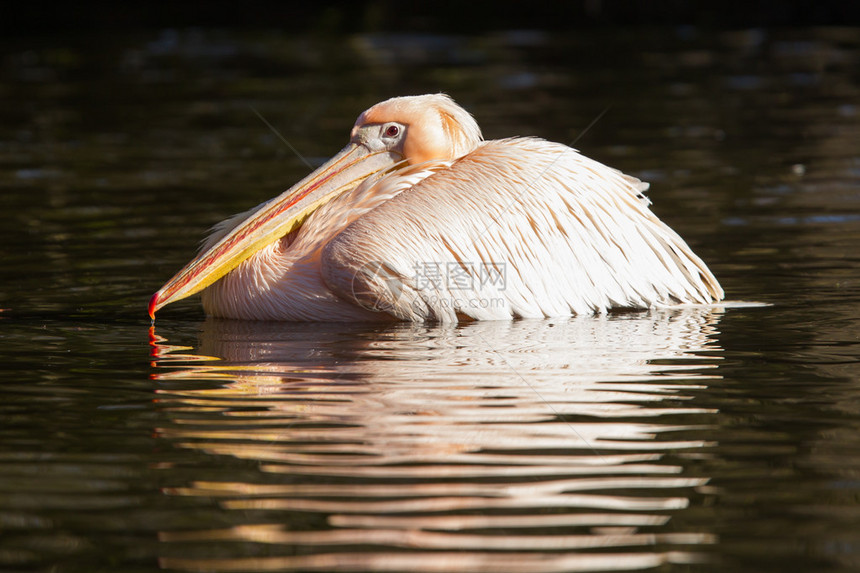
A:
<point x="419" y="218"/>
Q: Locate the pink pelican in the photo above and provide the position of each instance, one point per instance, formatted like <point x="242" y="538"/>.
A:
<point x="419" y="219"/>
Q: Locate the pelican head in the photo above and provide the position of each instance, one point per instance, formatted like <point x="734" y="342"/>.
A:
<point x="420" y="128"/>
<point x="387" y="137"/>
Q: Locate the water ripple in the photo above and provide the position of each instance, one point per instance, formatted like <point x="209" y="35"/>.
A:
<point x="509" y="446"/>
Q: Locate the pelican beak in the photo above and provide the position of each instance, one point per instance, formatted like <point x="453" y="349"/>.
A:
<point x="353" y="165"/>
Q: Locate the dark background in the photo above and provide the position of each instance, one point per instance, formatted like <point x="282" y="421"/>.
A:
<point x="25" y="18"/>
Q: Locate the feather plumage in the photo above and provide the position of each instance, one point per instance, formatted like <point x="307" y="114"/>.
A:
<point x="460" y="229"/>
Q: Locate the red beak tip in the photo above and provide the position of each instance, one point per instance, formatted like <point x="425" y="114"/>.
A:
<point x="153" y="303"/>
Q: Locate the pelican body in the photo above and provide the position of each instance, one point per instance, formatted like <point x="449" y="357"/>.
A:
<point x="419" y="219"/>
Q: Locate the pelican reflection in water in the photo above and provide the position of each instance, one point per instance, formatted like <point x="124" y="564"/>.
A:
<point x="418" y="218"/>
<point x="523" y="446"/>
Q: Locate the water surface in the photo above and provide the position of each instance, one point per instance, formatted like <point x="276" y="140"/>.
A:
<point x="681" y="440"/>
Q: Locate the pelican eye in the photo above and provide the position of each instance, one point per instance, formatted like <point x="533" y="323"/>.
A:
<point x="391" y="131"/>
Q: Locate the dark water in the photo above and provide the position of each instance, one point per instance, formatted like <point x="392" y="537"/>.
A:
<point x="694" y="440"/>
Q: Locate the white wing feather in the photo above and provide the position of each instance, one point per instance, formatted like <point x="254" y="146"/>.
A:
<point x="569" y="234"/>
